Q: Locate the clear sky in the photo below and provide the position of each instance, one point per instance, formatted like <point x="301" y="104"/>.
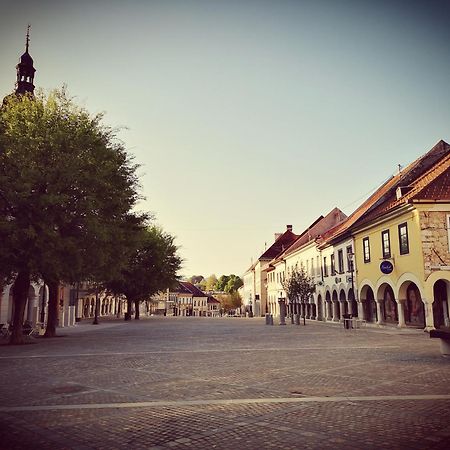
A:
<point x="247" y="115"/>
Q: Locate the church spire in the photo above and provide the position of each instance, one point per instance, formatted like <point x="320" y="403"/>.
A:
<point x="25" y="70"/>
<point x="27" y="42"/>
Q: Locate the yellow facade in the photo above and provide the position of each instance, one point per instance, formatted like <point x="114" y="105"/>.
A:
<point x="406" y="295"/>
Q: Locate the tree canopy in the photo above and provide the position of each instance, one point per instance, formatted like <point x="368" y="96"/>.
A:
<point x="152" y="267"/>
<point x="298" y="286"/>
<point x="67" y="193"/>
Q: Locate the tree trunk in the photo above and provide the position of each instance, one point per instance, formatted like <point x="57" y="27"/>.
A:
<point x="136" y="310"/>
<point x="97" y="307"/>
<point x="128" y="313"/>
<point x="52" y="319"/>
<point x="20" y="296"/>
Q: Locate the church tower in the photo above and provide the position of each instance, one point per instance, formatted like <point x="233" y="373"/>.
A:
<point x="25" y="70"/>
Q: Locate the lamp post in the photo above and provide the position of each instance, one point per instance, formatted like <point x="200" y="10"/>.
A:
<point x="351" y="258"/>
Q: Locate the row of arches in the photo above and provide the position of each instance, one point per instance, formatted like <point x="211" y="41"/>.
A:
<point x="406" y="308"/>
<point x="107" y="306"/>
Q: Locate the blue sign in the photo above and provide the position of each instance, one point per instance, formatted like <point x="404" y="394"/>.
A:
<point x="386" y="267"/>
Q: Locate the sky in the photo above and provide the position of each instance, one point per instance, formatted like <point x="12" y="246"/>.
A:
<point x="246" y="116"/>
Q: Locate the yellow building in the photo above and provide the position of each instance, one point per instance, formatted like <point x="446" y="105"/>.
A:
<point x="402" y="246"/>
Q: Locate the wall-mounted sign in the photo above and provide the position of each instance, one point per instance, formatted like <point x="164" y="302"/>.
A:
<point x="386" y="267"/>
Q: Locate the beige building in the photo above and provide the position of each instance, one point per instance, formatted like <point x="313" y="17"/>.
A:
<point x="256" y="275"/>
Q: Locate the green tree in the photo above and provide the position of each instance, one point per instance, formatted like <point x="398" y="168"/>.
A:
<point x="152" y="267"/>
<point x="211" y="282"/>
<point x="196" y="279"/>
<point x="67" y="187"/>
<point x="222" y="282"/>
<point x="233" y="284"/>
<point x="299" y="287"/>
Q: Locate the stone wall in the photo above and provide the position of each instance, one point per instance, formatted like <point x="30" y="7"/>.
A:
<point x="434" y="236"/>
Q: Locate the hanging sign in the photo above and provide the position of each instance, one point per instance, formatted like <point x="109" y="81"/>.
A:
<point x="386" y="267"/>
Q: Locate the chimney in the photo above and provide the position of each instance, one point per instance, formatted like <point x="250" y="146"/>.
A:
<point x="288" y="227"/>
<point x="278" y="235"/>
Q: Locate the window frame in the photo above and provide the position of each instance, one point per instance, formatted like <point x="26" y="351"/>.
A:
<point x="364" y="242"/>
<point x="386" y="254"/>
<point x="333" y="265"/>
<point x="341" y="261"/>
<point x="325" y="267"/>
<point x="349" y="249"/>
<point x="401" y="249"/>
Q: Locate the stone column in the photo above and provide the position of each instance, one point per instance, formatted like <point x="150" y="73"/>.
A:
<point x="361" y="311"/>
<point x="379" y="315"/>
<point x="429" y="319"/>
<point x="401" y="313"/>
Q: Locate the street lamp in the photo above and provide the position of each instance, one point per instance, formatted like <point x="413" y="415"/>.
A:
<point x="351" y="258"/>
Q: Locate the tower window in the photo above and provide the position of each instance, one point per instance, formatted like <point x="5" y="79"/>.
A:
<point x="403" y="238"/>
<point x="386" y="242"/>
<point x="366" y="250"/>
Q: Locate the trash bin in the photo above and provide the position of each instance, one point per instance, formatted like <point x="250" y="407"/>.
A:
<point x="347" y="322"/>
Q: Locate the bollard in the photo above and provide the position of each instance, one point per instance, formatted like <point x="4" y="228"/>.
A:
<point x="292" y="319"/>
<point x="271" y="319"/>
<point x="267" y="319"/>
<point x="297" y="319"/>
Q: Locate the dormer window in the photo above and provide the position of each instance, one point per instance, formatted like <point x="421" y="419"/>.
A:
<point x="402" y="190"/>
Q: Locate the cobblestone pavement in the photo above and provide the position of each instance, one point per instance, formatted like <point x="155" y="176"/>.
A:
<point x="225" y="383"/>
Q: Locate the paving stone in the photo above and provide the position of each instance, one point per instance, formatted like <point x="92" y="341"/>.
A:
<point x="183" y="359"/>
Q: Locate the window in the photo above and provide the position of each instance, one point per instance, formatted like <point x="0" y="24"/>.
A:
<point x="366" y="250"/>
<point x="333" y="270"/>
<point x="349" y="261"/>
<point x="403" y="238"/>
<point x="312" y="267"/>
<point x="386" y="243"/>
<point x="325" y="267"/>
<point x="341" y="261"/>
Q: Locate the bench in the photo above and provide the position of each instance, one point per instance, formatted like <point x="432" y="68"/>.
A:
<point x="444" y="337"/>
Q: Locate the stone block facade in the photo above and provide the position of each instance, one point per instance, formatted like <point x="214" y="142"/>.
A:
<point x="435" y="240"/>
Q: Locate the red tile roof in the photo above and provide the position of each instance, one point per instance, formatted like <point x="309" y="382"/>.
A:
<point x="212" y="300"/>
<point x="387" y="192"/>
<point x="432" y="184"/>
<point x="280" y="244"/>
<point x="319" y="227"/>
<point x="189" y="287"/>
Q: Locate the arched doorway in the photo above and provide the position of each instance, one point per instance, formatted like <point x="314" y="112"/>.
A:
<point x="441" y="314"/>
<point x="336" y="308"/>
<point x="353" y="310"/>
<point x="414" y="307"/>
<point x="369" y="305"/>
<point x="389" y="310"/>
<point x="343" y="302"/>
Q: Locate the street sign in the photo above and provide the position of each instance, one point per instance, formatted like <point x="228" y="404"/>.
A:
<point x="386" y="267"/>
